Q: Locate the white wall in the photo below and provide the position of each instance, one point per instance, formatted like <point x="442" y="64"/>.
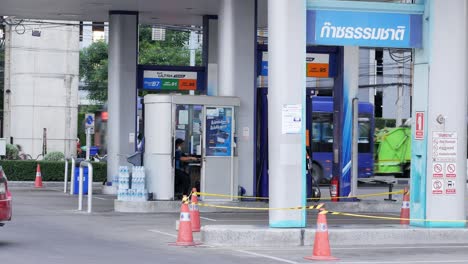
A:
<point x="43" y="79"/>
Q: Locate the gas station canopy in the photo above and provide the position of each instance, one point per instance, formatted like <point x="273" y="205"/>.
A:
<point x="165" y="12"/>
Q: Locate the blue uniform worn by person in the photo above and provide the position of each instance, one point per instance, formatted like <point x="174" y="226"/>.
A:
<point x="182" y="179"/>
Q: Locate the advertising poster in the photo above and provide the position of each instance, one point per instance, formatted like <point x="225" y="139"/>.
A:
<point x="218" y="131"/>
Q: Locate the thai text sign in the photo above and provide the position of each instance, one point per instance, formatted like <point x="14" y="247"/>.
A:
<point x="345" y="28"/>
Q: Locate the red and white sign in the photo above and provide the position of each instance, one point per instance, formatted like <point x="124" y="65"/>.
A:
<point x="437" y="186"/>
<point x="450" y="187"/>
<point x="438" y="170"/>
<point x="419" y="131"/>
<point x="451" y="170"/>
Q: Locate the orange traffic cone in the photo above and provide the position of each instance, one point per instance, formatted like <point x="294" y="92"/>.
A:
<point x="38" y="182"/>
<point x="185" y="237"/>
<point x="405" y="208"/>
<point x="321" y="244"/>
<point x="194" y="212"/>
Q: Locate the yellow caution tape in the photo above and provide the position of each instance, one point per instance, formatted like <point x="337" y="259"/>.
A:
<point x="309" y="199"/>
<point x="311" y="207"/>
<point x="324" y="211"/>
<point x="395" y="218"/>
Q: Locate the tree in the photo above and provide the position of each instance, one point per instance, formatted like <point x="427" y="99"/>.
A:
<point x="172" y="51"/>
<point x="93" y="70"/>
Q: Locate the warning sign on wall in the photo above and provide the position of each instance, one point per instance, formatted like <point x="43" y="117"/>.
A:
<point x="450" y="187"/>
<point x="438" y="170"/>
<point x="444" y="146"/>
<point x="437" y="186"/>
<point x="451" y="170"/>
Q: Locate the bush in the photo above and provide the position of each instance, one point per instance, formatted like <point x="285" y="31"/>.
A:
<point x="54" y="156"/>
<point x="25" y="170"/>
<point x="12" y="152"/>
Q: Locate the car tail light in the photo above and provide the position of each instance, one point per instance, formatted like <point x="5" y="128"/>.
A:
<point x="3" y="186"/>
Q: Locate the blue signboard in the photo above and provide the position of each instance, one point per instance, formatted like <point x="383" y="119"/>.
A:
<point x="152" y="83"/>
<point x="366" y="29"/>
<point x="218" y="131"/>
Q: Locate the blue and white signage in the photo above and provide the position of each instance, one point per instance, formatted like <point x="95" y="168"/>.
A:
<point x="345" y="28"/>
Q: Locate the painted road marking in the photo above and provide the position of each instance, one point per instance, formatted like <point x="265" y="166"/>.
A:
<point x="160" y="232"/>
<point x="209" y="219"/>
<point x="266" y="256"/>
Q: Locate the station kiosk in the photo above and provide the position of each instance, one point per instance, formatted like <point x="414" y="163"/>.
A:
<point x="207" y="124"/>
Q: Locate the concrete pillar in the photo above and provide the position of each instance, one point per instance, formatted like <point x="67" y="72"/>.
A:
<point x="236" y="77"/>
<point x="286" y="95"/>
<point x="438" y="166"/>
<point x="210" y="53"/>
<point x="345" y="96"/>
<point x="122" y="92"/>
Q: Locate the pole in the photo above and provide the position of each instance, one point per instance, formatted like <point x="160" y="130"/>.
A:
<point x="88" y="142"/>
<point x="65" y="180"/>
<point x="72" y="176"/>
<point x="354" y="149"/>
<point x="399" y="111"/>
<point x="80" y="190"/>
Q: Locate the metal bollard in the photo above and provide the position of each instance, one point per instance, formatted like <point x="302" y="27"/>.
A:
<point x="90" y="186"/>
<point x="72" y="176"/>
<point x="65" y="178"/>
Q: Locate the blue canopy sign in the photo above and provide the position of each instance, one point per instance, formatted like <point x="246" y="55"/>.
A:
<point x="366" y="29"/>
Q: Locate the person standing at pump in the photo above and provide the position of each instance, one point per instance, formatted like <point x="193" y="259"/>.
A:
<point x="182" y="179"/>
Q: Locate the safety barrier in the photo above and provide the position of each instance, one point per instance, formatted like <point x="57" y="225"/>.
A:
<point x="309" y="199"/>
<point x="65" y="177"/>
<point x="90" y="186"/>
<point x="321" y="208"/>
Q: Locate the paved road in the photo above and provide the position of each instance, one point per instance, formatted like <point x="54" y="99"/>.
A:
<point x="46" y="228"/>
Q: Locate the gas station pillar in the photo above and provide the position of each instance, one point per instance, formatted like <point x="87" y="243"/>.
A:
<point x="122" y="92"/>
<point x="286" y="109"/>
<point x="438" y="164"/>
<point x="236" y="77"/>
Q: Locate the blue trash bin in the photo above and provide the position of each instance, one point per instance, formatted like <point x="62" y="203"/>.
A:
<point x="93" y="151"/>
<point x="85" y="180"/>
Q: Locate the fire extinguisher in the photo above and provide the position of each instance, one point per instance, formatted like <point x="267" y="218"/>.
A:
<point x="334" y="188"/>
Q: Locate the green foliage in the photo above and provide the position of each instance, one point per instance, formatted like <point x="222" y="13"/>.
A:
<point x="172" y="51"/>
<point x="54" y="156"/>
<point x="12" y="152"/>
<point x="25" y="170"/>
<point x="93" y="70"/>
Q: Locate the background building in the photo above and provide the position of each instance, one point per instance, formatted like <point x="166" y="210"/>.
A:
<point x="41" y="85"/>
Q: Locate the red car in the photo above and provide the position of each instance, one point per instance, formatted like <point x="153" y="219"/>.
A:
<point x="5" y="199"/>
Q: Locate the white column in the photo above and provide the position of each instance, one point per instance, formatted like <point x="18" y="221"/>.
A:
<point x="210" y="39"/>
<point x="236" y="77"/>
<point x="123" y="59"/>
<point x="440" y="95"/>
<point x="286" y="70"/>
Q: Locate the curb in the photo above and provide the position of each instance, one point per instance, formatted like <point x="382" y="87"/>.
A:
<point x="262" y="236"/>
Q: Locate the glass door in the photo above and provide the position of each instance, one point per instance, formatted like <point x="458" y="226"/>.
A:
<point x="218" y="151"/>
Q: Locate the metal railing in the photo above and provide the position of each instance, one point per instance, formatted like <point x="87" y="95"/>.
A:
<point x="90" y="186"/>
<point x="65" y="178"/>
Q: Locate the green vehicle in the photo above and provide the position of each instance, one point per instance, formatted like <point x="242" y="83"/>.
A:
<point x="393" y="152"/>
